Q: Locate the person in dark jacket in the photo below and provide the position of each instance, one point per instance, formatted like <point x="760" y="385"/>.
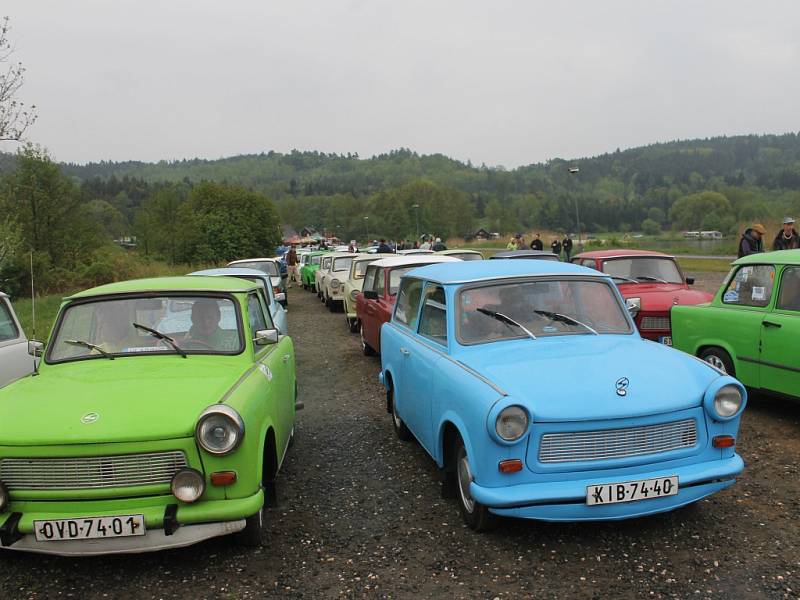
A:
<point x="384" y="248"/>
<point x="556" y="248"/>
<point x="787" y="238"/>
<point x="536" y="243"/>
<point x="751" y="242"/>
<point x="567" y="245"/>
<point x="438" y="246"/>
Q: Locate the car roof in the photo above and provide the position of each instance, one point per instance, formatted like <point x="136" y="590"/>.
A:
<point x="414" y="259"/>
<point x="341" y="254"/>
<point x="232" y="272"/>
<point x="3" y="295"/>
<point x="476" y="270"/>
<point x="243" y="260"/>
<point x="779" y="257"/>
<point x="521" y="253"/>
<point x="186" y="283"/>
<point x="620" y="253"/>
<point x="458" y="251"/>
<point x="373" y="257"/>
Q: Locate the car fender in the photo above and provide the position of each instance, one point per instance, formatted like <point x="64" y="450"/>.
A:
<point x="450" y="417"/>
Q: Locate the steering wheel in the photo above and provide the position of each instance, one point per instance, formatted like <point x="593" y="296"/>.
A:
<point x="206" y="345"/>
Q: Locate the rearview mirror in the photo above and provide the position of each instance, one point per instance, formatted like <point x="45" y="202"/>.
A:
<point x="266" y="336"/>
<point x="280" y="297"/>
<point x="35" y="348"/>
<point x="370" y="295"/>
<point x="690" y="281"/>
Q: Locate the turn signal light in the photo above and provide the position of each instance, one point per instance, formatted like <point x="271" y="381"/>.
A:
<point x="510" y="466"/>
<point x="724" y="441"/>
<point x="223" y="478"/>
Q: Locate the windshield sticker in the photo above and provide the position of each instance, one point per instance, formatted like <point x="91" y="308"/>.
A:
<point x="731" y="296"/>
<point x="550" y="329"/>
<point x="744" y="274"/>
<point x="144" y="349"/>
<point x="759" y="293"/>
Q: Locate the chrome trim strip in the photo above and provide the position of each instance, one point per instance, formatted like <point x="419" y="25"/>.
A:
<point x="767" y="363"/>
<point x="468" y="369"/>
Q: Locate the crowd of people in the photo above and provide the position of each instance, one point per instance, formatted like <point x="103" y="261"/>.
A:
<point x="557" y="246"/>
<point x="752" y="240"/>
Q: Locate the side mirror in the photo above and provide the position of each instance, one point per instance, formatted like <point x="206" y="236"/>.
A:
<point x="634" y="305"/>
<point x="280" y="297"/>
<point x="284" y="275"/>
<point x="370" y="295"/>
<point x="690" y="281"/>
<point x="266" y="336"/>
<point x="35" y="348"/>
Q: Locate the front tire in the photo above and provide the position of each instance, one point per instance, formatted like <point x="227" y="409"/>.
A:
<point x="475" y="514"/>
<point x="253" y="534"/>
<point x="719" y="358"/>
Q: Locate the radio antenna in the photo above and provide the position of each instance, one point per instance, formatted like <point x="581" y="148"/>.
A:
<point x="33" y="318"/>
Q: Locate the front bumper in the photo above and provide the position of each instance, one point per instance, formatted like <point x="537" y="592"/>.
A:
<point x="566" y="500"/>
<point x="191" y="523"/>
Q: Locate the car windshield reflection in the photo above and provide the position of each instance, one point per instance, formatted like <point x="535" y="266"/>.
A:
<point x="644" y="269"/>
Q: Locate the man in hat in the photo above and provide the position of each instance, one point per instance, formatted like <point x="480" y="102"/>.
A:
<point x="751" y="242"/>
<point x="787" y="238"/>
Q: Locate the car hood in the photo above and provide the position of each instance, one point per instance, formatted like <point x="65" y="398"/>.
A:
<point x="134" y="399"/>
<point x="661" y="297"/>
<point x="574" y="378"/>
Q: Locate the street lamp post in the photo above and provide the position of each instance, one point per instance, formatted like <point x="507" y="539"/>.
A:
<point x="416" y="208"/>
<point x="366" y="227"/>
<point x="575" y="171"/>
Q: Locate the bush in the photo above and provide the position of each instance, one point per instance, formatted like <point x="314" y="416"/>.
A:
<point x="651" y="227"/>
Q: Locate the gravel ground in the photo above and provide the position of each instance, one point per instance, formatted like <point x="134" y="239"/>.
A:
<point x="360" y="514"/>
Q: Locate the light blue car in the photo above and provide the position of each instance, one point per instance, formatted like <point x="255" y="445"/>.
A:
<point x="529" y="385"/>
<point x="275" y="308"/>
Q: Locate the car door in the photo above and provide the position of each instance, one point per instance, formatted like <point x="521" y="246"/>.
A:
<point x="371" y="322"/>
<point x="418" y="380"/>
<point x="14" y="358"/>
<point x="403" y="346"/>
<point x="780" y="333"/>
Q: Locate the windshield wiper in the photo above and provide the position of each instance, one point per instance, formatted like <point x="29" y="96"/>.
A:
<point x="627" y="279"/>
<point x="554" y="316"/>
<point x="90" y="346"/>
<point x="649" y="278"/>
<point x="161" y="336"/>
<point x="505" y="319"/>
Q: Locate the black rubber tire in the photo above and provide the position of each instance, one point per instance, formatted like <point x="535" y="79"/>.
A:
<point x="719" y="358"/>
<point x="399" y="427"/>
<point x="365" y="347"/>
<point x="353" y="325"/>
<point x="475" y="515"/>
<point x="253" y="534"/>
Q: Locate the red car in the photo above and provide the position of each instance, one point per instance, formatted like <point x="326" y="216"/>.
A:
<point x="651" y="283"/>
<point x="375" y="303"/>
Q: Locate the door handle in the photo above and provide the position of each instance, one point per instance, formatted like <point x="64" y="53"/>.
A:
<point x="770" y="324"/>
<point x="286" y="358"/>
<point x="405" y="352"/>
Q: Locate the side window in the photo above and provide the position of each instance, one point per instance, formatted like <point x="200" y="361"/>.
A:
<point x="8" y="329"/>
<point x="256" y="314"/>
<point x="407" y="309"/>
<point x="378" y="285"/>
<point x="265" y="303"/>
<point x="589" y="262"/>
<point x="433" y="320"/>
<point x="789" y="297"/>
<point x="369" y="278"/>
<point x="750" y="286"/>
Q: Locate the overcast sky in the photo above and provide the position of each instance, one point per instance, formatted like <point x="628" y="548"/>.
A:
<point x="494" y="81"/>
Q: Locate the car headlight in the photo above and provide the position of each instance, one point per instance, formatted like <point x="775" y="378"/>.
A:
<point x="188" y="485"/>
<point x="334" y="284"/>
<point x="219" y="429"/>
<point x="512" y="423"/>
<point x="353" y="295"/>
<point x="634" y="305"/>
<point x="727" y="401"/>
<point x="5" y="497"/>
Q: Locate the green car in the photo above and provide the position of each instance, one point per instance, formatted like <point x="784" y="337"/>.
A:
<point x="751" y="329"/>
<point x="309" y="263"/>
<point x="160" y="416"/>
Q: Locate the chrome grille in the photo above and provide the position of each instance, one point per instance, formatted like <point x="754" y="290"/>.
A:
<point x="91" y="472"/>
<point x="655" y="323"/>
<point x="609" y="444"/>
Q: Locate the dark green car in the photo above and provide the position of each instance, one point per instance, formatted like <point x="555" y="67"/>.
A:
<point x="751" y="329"/>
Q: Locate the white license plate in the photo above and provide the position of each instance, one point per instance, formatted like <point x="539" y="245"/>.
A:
<point x="630" y="491"/>
<point x="666" y="340"/>
<point x="89" y="528"/>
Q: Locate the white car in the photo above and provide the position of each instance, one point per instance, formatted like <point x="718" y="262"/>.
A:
<point x="332" y="280"/>
<point x="270" y="266"/>
<point x="324" y="265"/>
<point x="15" y="362"/>
<point x="353" y="286"/>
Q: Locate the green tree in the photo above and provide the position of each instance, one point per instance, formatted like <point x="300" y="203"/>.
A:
<point x="221" y="222"/>
<point x="692" y="211"/>
<point x="651" y="227"/>
<point x="15" y="118"/>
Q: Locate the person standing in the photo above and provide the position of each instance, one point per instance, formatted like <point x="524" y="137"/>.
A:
<point x="425" y="245"/>
<point x="438" y="246"/>
<point x="751" y="242"/>
<point x="555" y="246"/>
<point x="536" y="243"/>
<point x="384" y="248"/>
<point x="567" y="246"/>
<point x="292" y="266"/>
<point x="787" y="238"/>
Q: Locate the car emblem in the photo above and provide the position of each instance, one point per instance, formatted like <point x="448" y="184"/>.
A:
<point x="622" y="386"/>
<point x="90" y="418"/>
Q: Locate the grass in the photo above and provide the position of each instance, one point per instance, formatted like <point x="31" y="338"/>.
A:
<point x="46" y="310"/>
<point x="704" y="264"/>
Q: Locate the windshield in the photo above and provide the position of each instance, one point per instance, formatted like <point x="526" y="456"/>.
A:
<point x="360" y="268"/>
<point x="646" y="268"/>
<point x="466" y="255"/>
<point x="395" y="275"/>
<point x="326" y="263"/>
<point x="269" y="267"/>
<point x="589" y="303"/>
<point x="198" y="325"/>
<point x="342" y="264"/>
<point x="315" y="260"/>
